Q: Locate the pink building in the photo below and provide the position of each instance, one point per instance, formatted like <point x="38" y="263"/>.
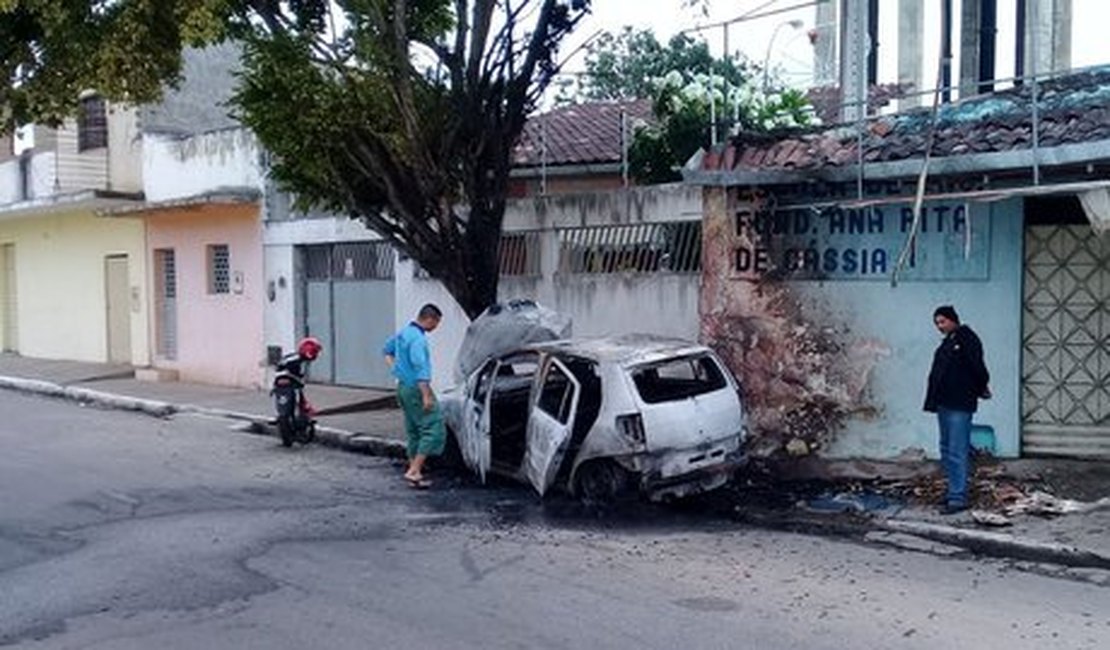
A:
<point x="204" y="252"/>
<point x="206" y="307"/>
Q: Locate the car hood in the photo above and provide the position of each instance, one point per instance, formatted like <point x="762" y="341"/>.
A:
<point x="504" y="327"/>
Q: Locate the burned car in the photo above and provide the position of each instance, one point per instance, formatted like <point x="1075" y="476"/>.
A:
<point x="600" y="417"/>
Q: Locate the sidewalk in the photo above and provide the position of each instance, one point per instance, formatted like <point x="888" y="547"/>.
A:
<point x="114" y="386"/>
<point x="1037" y="511"/>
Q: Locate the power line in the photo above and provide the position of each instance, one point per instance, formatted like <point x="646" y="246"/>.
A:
<point x="753" y="16"/>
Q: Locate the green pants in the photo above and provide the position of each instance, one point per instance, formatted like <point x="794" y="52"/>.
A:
<point x="425" y="431"/>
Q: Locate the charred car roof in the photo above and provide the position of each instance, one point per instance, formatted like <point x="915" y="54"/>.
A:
<point x="626" y="350"/>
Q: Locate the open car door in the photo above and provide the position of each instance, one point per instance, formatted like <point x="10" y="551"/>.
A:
<point x="550" y="422"/>
<point x="475" y="446"/>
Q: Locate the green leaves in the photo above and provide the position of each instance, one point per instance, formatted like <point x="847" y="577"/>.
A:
<point x="395" y="112"/>
<point x="630" y="64"/>
<point x="690" y="100"/>
<point x="52" y="50"/>
<point x="399" y="112"/>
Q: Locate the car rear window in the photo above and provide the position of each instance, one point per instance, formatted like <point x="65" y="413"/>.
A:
<point x="678" y="379"/>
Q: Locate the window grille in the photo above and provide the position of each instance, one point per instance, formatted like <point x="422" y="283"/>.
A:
<point x="219" y="269"/>
<point x="349" y="261"/>
<point x="317" y="262"/>
<point x="672" y="247"/>
<point x="362" y="261"/>
<point x="519" y="253"/>
<point x="92" y="124"/>
<point x="166" y="303"/>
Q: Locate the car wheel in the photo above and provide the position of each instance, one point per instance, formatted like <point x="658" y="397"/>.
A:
<point x="601" y="481"/>
<point x="452" y="454"/>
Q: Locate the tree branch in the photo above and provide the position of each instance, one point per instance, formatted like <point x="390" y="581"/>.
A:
<point x="483" y="17"/>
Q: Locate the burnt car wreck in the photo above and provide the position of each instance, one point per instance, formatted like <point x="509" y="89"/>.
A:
<point x="597" y="418"/>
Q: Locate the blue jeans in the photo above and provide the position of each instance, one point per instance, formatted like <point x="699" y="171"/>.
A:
<point x="955" y="450"/>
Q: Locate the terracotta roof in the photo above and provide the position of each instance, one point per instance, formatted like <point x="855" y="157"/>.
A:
<point x="1072" y="109"/>
<point x="579" y="133"/>
<point x="826" y="100"/>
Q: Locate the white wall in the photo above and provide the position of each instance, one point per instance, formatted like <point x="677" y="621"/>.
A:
<point x="664" y="304"/>
<point x="10" y="181"/>
<point x="280" y="277"/>
<point x="125" y="149"/>
<point x="176" y="168"/>
<point x="42" y="177"/>
<point x="414" y="293"/>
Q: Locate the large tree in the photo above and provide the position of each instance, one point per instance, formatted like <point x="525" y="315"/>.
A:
<point x="402" y="113"/>
<point x="406" y="116"/>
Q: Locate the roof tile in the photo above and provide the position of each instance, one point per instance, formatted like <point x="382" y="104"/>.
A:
<point x="1073" y="108"/>
<point x="578" y="133"/>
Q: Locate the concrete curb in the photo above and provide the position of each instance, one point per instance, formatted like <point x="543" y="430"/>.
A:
<point x="359" y="443"/>
<point x="999" y="544"/>
<point x="362" y="443"/>
<point x="88" y="396"/>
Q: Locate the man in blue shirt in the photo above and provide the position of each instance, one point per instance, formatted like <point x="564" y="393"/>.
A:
<point x="408" y="357"/>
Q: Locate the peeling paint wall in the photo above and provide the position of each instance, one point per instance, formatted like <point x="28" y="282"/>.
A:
<point x="176" y="167"/>
<point x="838" y="366"/>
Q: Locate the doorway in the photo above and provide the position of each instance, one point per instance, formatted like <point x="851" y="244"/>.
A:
<point x="117" y="287"/>
<point x="9" y="321"/>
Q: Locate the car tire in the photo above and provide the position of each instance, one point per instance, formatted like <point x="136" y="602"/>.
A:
<point x="602" y="482"/>
<point x="452" y="453"/>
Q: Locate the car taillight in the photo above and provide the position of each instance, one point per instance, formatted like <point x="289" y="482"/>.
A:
<point x="631" y="427"/>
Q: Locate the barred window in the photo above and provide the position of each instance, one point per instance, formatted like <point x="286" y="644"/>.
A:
<point x="219" y="269"/>
<point x="362" y="261"/>
<point x="519" y="253"/>
<point x="673" y="247"/>
<point x="349" y="261"/>
<point x="92" y="124"/>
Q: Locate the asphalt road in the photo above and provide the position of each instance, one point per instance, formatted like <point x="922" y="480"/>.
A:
<point x="123" y="531"/>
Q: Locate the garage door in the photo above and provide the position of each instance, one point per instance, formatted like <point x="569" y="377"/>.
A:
<point x="349" y="306"/>
<point x="1066" y="337"/>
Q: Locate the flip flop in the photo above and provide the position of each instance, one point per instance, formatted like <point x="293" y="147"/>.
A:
<point x="419" y="484"/>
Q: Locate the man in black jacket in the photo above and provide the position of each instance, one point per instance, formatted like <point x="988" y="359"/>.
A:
<point x="957" y="381"/>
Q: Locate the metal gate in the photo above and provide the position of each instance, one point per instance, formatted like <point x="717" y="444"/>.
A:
<point x="349" y="306"/>
<point x="165" y="303"/>
<point x="1066" y="342"/>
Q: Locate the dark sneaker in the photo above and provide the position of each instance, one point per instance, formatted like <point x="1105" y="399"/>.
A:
<point x="952" y="508"/>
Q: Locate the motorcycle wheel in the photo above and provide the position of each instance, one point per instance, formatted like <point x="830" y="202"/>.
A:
<point x="285" y="428"/>
<point x="308" y="433"/>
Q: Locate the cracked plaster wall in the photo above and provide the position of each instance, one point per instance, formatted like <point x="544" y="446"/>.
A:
<point x="840" y="365"/>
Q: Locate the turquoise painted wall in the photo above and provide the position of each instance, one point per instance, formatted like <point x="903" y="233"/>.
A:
<point x="898" y="320"/>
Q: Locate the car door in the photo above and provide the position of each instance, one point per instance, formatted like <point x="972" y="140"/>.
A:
<point x="550" y="420"/>
<point x="475" y="446"/>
